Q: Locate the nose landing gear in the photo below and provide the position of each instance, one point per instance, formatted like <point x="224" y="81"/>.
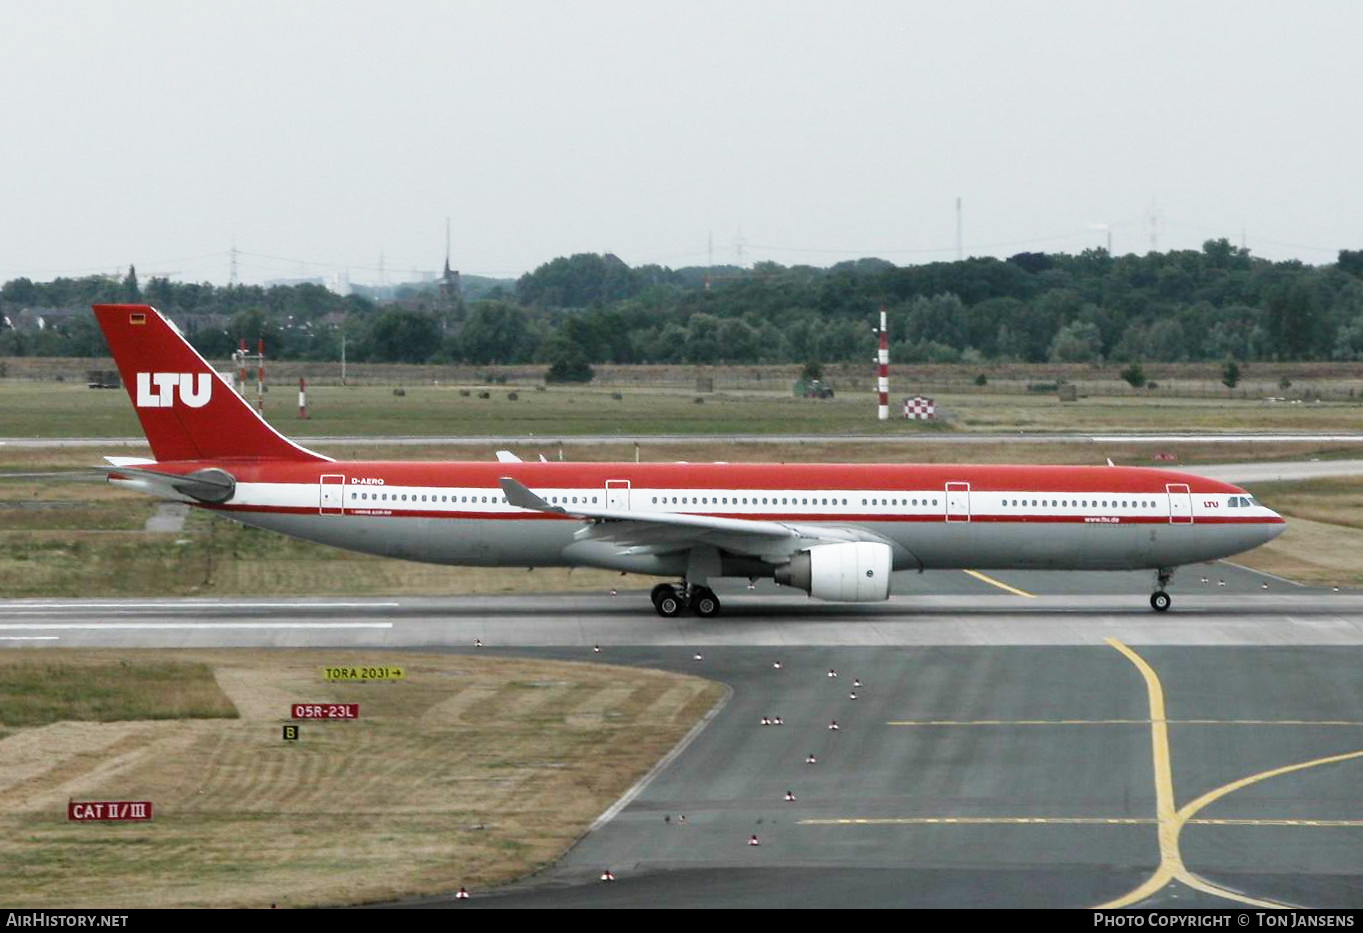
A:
<point x="1160" y="600"/>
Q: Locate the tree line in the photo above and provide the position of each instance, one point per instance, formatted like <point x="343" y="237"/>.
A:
<point x="1217" y="303"/>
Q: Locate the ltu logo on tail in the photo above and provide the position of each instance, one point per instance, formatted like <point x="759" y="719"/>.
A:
<point x="157" y="390"/>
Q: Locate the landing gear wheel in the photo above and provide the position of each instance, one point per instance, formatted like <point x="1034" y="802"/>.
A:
<point x="1159" y="601"/>
<point x="705" y="603"/>
<point x="667" y="601"/>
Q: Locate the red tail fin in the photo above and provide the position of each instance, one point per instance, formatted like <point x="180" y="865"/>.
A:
<point x="187" y="411"/>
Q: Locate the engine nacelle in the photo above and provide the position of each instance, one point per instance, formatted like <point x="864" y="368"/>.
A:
<point x="856" y="572"/>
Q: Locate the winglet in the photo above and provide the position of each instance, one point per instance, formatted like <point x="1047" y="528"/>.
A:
<point x="522" y="498"/>
<point x="506" y="456"/>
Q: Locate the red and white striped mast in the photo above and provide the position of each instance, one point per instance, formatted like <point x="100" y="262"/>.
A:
<point x="260" y="373"/>
<point x="883" y="384"/>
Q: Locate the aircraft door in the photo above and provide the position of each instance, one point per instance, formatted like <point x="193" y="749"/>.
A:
<point x="617" y="494"/>
<point x="1180" y="504"/>
<point x="332" y="501"/>
<point x="958" y="502"/>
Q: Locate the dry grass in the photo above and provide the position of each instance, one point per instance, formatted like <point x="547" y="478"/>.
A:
<point x="474" y="770"/>
<point x="1323" y="543"/>
<point x="37" y="689"/>
<point x="36" y="409"/>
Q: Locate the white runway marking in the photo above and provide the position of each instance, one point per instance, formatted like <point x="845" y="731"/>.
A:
<point x="165" y="604"/>
<point x="30" y="637"/>
<point x="209" y="626"/>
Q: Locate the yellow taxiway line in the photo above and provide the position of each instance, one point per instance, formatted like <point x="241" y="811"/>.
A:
<point x="984" y="578"/>
<point x="1123" y="722"/>
<point x="1169" y="818"/>
<point x="1063" y="820"/>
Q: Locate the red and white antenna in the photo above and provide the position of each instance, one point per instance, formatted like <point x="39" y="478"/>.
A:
<point x="241" y="369"/>
<point x="884" y="382"/>
<point x="260" y="374"/>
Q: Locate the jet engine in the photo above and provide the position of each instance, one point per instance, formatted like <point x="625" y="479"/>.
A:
<point x="855" y="572"/>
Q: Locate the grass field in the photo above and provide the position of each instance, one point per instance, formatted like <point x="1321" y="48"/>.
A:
<point x="1323" y="543"/>
<point x="37" y="690"/>
<point x="36" y="409"/>
<point x="472" y="771"/>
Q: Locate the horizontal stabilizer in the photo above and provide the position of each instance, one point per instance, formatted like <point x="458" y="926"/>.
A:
<point x="210" y="485"/>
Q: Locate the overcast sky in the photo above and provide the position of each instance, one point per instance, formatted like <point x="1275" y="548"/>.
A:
<point x="320" y="136"/>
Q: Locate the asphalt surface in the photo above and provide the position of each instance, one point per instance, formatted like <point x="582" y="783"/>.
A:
<point x="933" y="608"/>
<point x="987" y="777"/>
<point x="1002" y="750"/>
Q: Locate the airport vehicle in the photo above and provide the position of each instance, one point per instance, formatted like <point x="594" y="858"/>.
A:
<point x="835" y="531"/>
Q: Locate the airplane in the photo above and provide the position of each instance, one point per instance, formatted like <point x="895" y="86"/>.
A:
<point x="834" y="531"/>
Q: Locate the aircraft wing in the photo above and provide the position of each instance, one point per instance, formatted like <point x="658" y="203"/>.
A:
<point x="639" y="531"/>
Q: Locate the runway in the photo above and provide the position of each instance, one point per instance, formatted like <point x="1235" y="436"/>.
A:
<point x="1018" y="739"/>
<point x="933" y="608"/>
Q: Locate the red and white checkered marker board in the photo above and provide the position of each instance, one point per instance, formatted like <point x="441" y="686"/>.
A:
<point x="920" y="409"/>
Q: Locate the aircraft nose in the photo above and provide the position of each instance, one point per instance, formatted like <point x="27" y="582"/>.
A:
<point x="1275" y="526"/>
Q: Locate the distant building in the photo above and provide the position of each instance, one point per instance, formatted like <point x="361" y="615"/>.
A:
<point x="451" y="289"/>
<point x="32" y="320"/>
<point x="305" y="280"/>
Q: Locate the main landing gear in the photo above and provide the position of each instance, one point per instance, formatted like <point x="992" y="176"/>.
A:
<point x="671" y="601"/>
<point x="1160" y="600"/>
